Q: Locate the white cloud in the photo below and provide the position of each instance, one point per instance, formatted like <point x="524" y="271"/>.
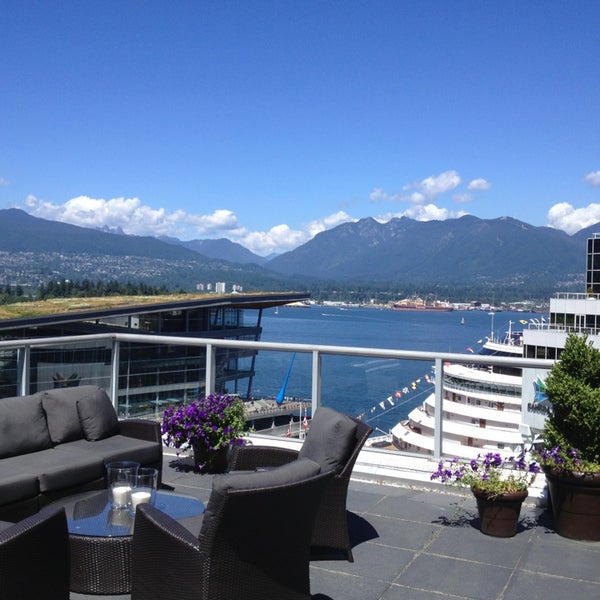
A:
<point x="479" y="184"/>
<point x="564" y="216"/>
<point x="135" y="218"/>
<point x="278" y="239"/>
<point x="462" y="198"/>
<point x="433" y="186"/>
<point x="282" y="238"/>
<point x="219" y="220"/>
<point x="419" y="192"/>
<point x="424" y="212"/>
<point x="421" y="195"/>
<point x="333" y="220"/>
<point x="379" y="195"/>
<point x="129" y="214"/>
<point x="593" y="178"/>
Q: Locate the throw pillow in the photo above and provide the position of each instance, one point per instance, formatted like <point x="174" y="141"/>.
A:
<point x="23" y="426"/>
<point x="61" y="412"/>
<point x="97" y="416"/>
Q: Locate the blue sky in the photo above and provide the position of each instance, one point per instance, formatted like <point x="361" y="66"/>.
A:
<point x="269" y="121"/>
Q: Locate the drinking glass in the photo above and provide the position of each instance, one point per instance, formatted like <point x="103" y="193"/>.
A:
<point x="120" y="477"/>
<point x="144" y="487"/>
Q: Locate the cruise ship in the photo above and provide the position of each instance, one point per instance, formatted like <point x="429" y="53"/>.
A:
<point x="482" y="407"/>
<point x="495" y="409"/>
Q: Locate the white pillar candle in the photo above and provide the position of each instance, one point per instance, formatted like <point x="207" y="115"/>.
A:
<point x="121" y="495"/>
<point x="139" y="498"/>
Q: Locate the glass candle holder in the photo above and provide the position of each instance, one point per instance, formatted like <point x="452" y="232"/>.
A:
<point x="144" y="487"/>
<point x="120" y="480"/>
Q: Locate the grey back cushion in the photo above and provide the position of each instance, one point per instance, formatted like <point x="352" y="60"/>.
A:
<point x="330" y="439"/>
<point x="297" y="470"/>
<point x="23" y="426"/>
<point x="61" y="412"/>
<point x="97" y="415"/>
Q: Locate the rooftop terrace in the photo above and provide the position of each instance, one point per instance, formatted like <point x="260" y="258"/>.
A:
<point x="416" y="540"/>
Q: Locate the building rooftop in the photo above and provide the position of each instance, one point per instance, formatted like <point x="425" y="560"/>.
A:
<point x="66" y="310"/>
<point x="420" y="541"/>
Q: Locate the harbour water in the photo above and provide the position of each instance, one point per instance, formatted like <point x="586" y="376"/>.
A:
<point x="383" y="391"/>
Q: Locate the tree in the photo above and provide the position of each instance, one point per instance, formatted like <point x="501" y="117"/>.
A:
<point x="573" y="387"/>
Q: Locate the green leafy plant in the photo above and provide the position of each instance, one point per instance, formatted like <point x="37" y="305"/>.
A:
<point x="572" y="431"/>
<point x="490" y="473"/>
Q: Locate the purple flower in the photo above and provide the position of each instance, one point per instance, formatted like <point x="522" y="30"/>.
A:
<point x="490" y="472"/>
<point x="213" y="421"/>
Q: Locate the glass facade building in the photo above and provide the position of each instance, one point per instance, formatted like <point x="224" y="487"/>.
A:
<point x="151" y="376"/>
<point x="593" y="265"/>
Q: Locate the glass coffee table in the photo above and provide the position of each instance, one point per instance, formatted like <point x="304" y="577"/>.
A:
<point x="101" y="537"/>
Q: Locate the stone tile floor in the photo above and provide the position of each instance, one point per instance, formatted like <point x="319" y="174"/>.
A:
<point x="420" y="542"/>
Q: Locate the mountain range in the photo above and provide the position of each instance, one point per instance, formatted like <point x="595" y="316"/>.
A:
<point x="400" y="256"/>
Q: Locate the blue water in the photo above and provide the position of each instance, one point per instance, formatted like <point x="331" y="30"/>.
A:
<point x="357" y="385"/>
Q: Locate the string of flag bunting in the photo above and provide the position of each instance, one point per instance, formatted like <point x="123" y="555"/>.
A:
<point x="400" y="396"/>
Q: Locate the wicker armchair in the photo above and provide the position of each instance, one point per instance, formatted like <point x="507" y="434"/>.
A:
<point x="334" y="440"/>
<point x="254" y="541"/>
<point x="34" y="557"/>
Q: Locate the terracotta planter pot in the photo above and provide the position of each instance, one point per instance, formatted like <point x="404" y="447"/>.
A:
<point x="499" y="515"/>
<point x="210" y="461"/>
<point x="575" y="499"/>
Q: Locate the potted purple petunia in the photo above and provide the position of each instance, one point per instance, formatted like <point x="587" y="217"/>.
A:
<point x="500" y="485"/>
<point x="209" y="426"/>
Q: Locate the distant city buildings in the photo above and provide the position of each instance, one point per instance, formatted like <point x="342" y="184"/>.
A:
<point x="220" y="287"/>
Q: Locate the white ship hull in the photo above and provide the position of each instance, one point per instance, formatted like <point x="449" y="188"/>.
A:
<point x="482" y="411"/>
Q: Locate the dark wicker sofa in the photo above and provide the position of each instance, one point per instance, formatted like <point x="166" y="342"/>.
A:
<point x="57" y="442"/>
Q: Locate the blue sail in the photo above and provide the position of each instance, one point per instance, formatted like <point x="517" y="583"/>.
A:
<point x="281" y="395"/>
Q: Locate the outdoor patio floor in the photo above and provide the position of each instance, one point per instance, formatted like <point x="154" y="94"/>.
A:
<point x="416" y="542"/>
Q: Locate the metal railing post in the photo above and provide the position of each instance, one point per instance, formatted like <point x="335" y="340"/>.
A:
<point x="23" y="366"/>
<point x="209" y="380"/>
<point x="439" y="409"/>
<point x="316" y="381"/>
<point x="114" y="373"/>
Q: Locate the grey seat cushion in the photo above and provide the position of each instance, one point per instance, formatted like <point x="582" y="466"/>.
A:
<point x="115" y="448"/>
<point x="15" y="487"/>
<point x="56" y="470"/>
<point x="23" y="426"/>
<point x="330" y="439"/>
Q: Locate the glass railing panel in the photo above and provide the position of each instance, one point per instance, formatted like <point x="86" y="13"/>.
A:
<point x="70" y="366"/>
